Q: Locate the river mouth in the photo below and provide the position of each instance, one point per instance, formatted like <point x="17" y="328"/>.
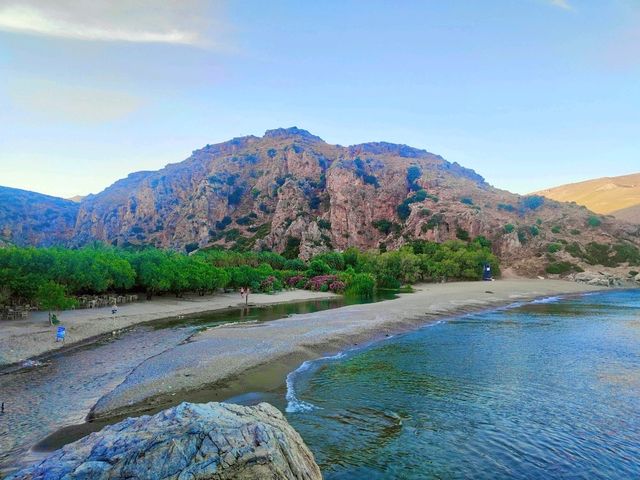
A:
<point x="55" y="398"/>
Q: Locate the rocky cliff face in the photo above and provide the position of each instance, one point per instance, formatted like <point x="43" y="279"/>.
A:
<point x="292" y="192"/>
<point x="212" y="441"/>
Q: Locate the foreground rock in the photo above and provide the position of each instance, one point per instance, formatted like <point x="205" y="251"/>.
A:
<point x="191" y="441"/>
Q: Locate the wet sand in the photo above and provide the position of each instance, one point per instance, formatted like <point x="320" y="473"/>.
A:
<point x="231" y="358"/>
<point x="33" y="337"/>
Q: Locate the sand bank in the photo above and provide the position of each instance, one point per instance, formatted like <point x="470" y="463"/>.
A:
<point x="33" y="337"/>
<point x="223" y="354"/>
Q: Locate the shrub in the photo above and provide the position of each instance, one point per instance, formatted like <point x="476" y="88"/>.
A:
<point x="224" y="223"/>
<point x="190" y="247"/>
<point x="560" y="268"/>
<point x="535" y="231"/>
<point x="324" y="224"/>
<point x="413" y="174"/>
<point x="594" y="221"/>
<point x="360" y="285"/>
<point x="532" y="202"/>
<point x="466" y="201"/>
<point x="555" y="229"/>
<point x="317" y="268"/>
<point x="506" y="207"/>
<point x="509" y="228"/>
<point x="292" y="248"/>
<point x="554" y="247"/>
<point x="462" y="234"/>
<point x="383" y="225"/>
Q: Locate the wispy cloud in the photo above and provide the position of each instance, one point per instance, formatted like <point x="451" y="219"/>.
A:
<point x="74" y="104"/>
<point x="564" y="4"/>
<point x="184" y="22"/>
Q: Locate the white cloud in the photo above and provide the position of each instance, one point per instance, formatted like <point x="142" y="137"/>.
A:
<point x="184" y="22"/>
<point x="564" y="4"/>
<point x="73" y="104"/>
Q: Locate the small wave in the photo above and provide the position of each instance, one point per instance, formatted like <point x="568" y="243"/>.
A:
<point x="547" y="300"/>
<point x="294" y="404"/>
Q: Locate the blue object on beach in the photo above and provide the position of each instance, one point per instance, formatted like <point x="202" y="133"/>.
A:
<point x="62" y="331"/>
<point x="486" y="272"/>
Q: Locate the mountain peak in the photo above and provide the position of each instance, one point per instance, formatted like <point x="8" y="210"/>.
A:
<point x="290" y="132"/>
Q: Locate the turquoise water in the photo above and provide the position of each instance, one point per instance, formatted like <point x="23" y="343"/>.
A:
<point x="548" y="389"/>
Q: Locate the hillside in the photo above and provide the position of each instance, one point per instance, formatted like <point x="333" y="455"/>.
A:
<point x="292" y="192"/>
<point x="28" y="218"/>
<point x="607" y="195"/>
<point x="629" y="214"/>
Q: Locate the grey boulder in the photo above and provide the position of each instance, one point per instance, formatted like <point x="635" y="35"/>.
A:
<point x="191" y="441"/>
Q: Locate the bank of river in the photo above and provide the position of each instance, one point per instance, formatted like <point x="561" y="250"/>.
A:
<point x="59" y="394"/>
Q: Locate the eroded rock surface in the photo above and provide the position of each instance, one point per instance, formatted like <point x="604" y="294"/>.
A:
<point x="214" y="441"/>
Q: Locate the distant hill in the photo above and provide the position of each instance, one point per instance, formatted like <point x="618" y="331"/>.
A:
<point x="608" y="195"/>
<point x="29" y="218"/>
<point x="289" y="191"/>
<point x="630" y="214"/>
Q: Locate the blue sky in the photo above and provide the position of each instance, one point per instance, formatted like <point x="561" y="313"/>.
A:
<point x="529" y="93"/>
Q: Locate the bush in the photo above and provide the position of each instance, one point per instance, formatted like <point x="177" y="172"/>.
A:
<point x="535" y="231"/>
<point x="324" y="224"/>
<point x="360" y="285"/>
<point x="462" y="234"/>
<point x="594" y="221"/>
<point x="532" y="202"/>
<point x="383" y="225"/>
<point x="554" y="247"/>
<point x="555" y="229"/>
<point x="509" y="228"/>
<point x="466" y="201"/>
<point x="560" y="268"/>
<point x="317" y="268"/>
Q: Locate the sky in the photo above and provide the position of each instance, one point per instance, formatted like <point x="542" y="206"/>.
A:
<point x="529" y="93"/>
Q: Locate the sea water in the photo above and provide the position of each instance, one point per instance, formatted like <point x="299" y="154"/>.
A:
<point x="547" y="389"/>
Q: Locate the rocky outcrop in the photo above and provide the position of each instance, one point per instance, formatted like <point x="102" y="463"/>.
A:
<point x="213" y="441"/>
<point x="290" y="191"/>
<point x="599" y="279"/>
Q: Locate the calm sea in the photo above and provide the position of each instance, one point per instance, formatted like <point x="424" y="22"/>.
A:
<point x="549" y="389"/>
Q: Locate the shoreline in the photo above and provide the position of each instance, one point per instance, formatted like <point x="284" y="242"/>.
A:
<point x="234" y="359"/>
<point x="34" y="339"/>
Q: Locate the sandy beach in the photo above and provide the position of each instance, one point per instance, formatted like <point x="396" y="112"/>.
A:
<point x="33" y="337"/>
<point x="223" y="355"/>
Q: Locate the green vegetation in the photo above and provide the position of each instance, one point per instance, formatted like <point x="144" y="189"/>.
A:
<point x="413" y="175"/>
<point x="560" y="268"/>
<point x="466" y="200"/>
<point x="554" y="247"/>
<point x="555" y="229"/>
<point x="52" y="277"/>
<point x="532" y="202"/>
<point x="403" y="210"/>
<point x="594" y="221"/>
<point x="509" y="228"/>
<point x="534" y="231"/>
<point x="506" y="207"/>
<point x="604" y="254"/>
<point x="361" y="172"/>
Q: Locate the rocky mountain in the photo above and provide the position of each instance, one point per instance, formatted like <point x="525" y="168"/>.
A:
<point x="294" y="193"/>
<point x="28" y="218"/>
<point x="618" y="196"/>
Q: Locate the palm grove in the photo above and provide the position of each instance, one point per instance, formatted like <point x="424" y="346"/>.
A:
<point x="52" y="277"/>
